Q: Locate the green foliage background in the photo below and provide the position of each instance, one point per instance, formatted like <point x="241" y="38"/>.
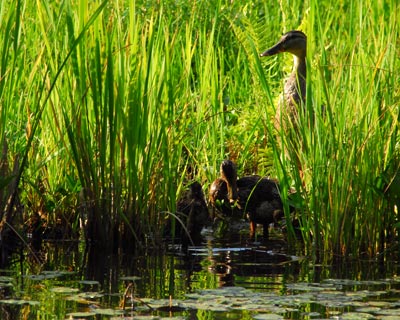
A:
<point x="108" y="109"/>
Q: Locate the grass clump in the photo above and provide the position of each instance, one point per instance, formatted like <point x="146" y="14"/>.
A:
<point x="116" y="106"/>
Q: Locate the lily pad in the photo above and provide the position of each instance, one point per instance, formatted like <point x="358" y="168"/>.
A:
<point x="130" y="278"/>
<point x="138" y="317"/>
<point x="356" y="316"/>
<point x="368" y="309"/>
<point x="305" y="287"/>
<point x="268" y="316"/>
<point x="20" y="302"/>
<point x="78" y="315"/>
<point x="6" y="285"/>
<point x="85" y="297"/>
<point x="380" y="304"/>
<point x="89" y="282"/>
<point x="36" y="277"/>
<point x="6" y="279"/>
<point x="64" y="290"/>
<point x="108" y="312"/>
<point x="390" y="312"/>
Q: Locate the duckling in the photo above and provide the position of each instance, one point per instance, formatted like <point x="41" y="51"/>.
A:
<point x="294" y="42"/>
<point x="257" y="196"/>
<point x="193" y="213"/>
<point x="219" y="200"/>
<point x="34" y="227"/>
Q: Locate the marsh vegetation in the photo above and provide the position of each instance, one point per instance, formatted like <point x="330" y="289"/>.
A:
<point x="109" y="109"/>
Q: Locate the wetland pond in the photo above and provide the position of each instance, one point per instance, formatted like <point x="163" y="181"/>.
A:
<point x="220" y="279"/>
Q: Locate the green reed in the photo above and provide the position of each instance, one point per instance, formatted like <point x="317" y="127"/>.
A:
<point x="118" y="105"/>
<point x="348" y="134"/>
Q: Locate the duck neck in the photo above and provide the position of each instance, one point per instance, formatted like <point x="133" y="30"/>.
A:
<point x="232" y="190"/>
<point x="300" y="68"/>
<point x="295" y="87"/>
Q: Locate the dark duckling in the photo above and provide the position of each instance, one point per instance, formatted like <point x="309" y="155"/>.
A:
<point x="192" y="212"/>
<point x="219" y="201"/>
<point x="257" y="196"/>
<point x="34" y="227"/>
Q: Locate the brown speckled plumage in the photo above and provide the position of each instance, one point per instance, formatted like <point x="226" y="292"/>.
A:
<point x="256" y="196"/>
<point x="294" y="42"/>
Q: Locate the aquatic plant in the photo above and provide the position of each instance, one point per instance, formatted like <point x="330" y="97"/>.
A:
<point x="347" y="137"/>
<point x="109" y="108"/>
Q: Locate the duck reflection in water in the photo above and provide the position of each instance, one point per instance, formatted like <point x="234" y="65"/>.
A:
<point x="253" y="195"/>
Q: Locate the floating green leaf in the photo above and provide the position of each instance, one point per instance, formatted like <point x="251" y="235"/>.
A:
<point x="64" y="290"/>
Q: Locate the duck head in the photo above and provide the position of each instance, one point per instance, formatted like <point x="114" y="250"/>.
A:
<point x="228" y="173"/>
<point x="294" y="42"/>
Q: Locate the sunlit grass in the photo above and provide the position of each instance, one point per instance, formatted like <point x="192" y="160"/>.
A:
<point x="115" y="106"/>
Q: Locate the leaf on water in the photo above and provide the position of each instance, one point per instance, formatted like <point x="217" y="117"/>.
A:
<point x="238" y="298"/>
<point x="268" y="316"/>
<point x="64" y="290"/>
<point x="156" y="303"/>
<point x="368" y="309"/>
<point x="78" y="315"/>
<point x="85" y="297"/>
<point x="191" y="304"/>
<point x="216" y="308"/>
<point x="252" y="306"/>
<point x="79" y="299"/>
<point x="143" y="317"/>
<point x="356" y="316"/>
<point x="193" y="295"/>
<point x="381" y="304"/>
<point x="389" y="312"/>
<point x="297" y="258"/>
<point x="6" y="285"/>
<point x="6" y="279"/>
<point x="346" y="282"/>
<point x="357" y="294"/>
<point x="313" y="314"/>
<point x="35" y="277"/>
<point x="20" y="302"/>
<point x="130" y="278"/>
<point x="354" y="304"/>
<point x="57" y="272"/>
<point x="44" y="275"/>
<point x="108" y="312"/>
<point x="91" y="295"/>
<point x="89" y="282"/>
<point x="377" y="293"/>
<point x="47" y="274"/>
<point x="335" y="313"/>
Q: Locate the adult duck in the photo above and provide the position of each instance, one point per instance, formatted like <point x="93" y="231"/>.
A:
<point x="294" y="42"/>
<point x="256" y="196"/>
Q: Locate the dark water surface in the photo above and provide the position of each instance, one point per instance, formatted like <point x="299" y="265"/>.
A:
<point x="221" y="279"/>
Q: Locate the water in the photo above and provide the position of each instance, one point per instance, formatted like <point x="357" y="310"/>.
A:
<point x="223" y="278"/>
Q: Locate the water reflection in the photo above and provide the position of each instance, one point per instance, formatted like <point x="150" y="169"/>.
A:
<point x="168" y="272"/>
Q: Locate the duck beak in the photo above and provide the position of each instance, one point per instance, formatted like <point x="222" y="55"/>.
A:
<point x="272" y="51"/>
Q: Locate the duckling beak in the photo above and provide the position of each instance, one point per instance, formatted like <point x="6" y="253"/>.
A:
<point x="272" y="51"/>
